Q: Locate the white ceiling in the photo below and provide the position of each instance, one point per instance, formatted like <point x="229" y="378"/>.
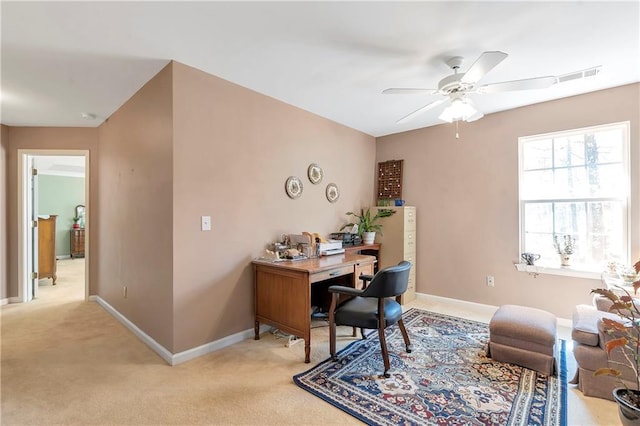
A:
<point x="55" y="165"/>
<point x="330" y="58"/>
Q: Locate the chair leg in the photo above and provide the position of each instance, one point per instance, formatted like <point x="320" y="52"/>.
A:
<point x="385" y="352"/>
<point x="361" y="333"/>
<point x="382" y="323"/>
<point x="405" y="336"/>
<point x="332" y="328"/>
<point x="332" y="340"/>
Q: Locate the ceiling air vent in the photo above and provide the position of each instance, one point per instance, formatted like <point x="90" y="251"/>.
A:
<point x="579" y="74"/>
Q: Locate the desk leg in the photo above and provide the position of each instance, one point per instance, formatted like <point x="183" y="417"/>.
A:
<point x="256" y="330"/>
<point x="307" y="348"/>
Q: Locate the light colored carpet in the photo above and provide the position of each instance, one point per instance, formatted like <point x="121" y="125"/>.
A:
<point x="66" y="361"/>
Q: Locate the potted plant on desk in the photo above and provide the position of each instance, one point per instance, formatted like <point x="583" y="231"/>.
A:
<point x="625" y="334"/>
<point x="367" y="224"/>
<point x="75" y="222"/>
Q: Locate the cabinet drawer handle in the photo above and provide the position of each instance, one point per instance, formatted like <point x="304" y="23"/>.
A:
<point x="333" y="274"/>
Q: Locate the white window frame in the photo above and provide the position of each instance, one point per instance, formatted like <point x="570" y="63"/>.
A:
<point x="576" y="271"/>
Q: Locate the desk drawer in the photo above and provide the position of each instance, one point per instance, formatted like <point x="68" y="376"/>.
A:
<point x="331" y="273"/>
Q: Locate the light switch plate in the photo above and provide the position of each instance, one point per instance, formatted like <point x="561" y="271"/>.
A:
<point x="205" y="223"/>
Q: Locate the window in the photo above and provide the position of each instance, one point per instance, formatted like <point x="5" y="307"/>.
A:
<point x="576" y="183"/>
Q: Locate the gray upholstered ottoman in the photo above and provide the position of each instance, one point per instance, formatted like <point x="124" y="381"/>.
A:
<point x="524" y="336"/>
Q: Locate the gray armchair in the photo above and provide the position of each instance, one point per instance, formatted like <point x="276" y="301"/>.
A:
<point x="589" y="350"/>
<point x="374" y="307"/>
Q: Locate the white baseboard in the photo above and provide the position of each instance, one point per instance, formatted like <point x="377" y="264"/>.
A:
<point x="189" y="354"/>
<point x="489" y="309"/>
<point x="4" y="302"/>
<point x="155" y="346"/>
<point x="216" y="345"/>
<point x="180" y="357"/>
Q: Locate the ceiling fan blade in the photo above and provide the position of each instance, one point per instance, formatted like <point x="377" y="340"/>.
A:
<point x="420" y="110"/>
<point x="526" y="84"/>
<point x="407" y="91"/>
<point x="485" y="63"/>
<point x="477" y="116"/>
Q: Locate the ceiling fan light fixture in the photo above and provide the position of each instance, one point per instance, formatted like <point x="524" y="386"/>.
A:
<point x="459" y="110"/>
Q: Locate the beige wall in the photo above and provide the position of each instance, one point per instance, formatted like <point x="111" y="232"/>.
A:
<point x="190" y="144"/>
<point x="4" y="147"/>
<point x="466" y="193"/>
<point x="46" y="138"/>
<point x="233" y="151"/>
<point x="136" y="209"/>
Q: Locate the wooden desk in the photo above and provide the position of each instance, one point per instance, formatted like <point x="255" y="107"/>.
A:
<point x="283" y="290"/>
<point x="366" y="248"/>
<point x="357" y="249"/>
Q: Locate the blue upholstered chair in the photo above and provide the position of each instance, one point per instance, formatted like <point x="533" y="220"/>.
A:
<point x="377" y="306"/>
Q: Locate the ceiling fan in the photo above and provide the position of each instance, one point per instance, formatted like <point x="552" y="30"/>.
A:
<point x="457" y="86"/>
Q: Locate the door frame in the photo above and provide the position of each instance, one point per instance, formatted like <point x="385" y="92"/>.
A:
<point x="24" y="210"/>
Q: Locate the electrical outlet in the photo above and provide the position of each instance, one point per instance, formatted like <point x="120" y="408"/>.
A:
<point x="124" y="291"/>
<point x="490" y="280"/>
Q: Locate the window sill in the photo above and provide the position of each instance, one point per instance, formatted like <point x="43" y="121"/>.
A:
<point x="566" y="271"/>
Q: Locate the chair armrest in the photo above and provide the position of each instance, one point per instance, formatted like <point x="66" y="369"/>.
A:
<point x="345" y="290"/>
<point x="365" y="278"/>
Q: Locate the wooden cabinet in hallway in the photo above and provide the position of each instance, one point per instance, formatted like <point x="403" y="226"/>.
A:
<point x="47" y="248"/>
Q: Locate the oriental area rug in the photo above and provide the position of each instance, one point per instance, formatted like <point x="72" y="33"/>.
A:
<point x="446" y="379"/>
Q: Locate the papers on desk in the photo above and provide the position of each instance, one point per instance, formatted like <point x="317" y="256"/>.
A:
<point x="278" y="260"/>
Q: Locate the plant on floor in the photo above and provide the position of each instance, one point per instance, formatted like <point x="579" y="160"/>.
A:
<point x="625" y="334"/>
<point x="367" y="222"/>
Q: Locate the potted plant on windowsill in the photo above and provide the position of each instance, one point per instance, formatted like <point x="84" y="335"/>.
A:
<point x="565" y="248"/>
<point x="625" y="338"/>
<point x="367" y="224"/>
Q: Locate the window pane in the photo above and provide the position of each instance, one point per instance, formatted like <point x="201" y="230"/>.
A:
<point x="570" y="219"/>
<point x="596" y="226"/>
<point x="568" y="151"/>
<point x="576" y="184"/>
<point x="608" y="147"/>
<point x="570" y="183"/>
<point x="537" y="185"/>
<point x="538" y="155"/>
<point x="538" y="237"/>
<point x="607" y="227"/>
<point x="608" y="181"/>
<point x="539" y="217"/>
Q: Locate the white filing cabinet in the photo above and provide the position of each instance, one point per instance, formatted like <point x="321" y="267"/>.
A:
<point x="398" y="241"/>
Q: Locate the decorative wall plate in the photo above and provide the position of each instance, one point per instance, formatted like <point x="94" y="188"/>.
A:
<point x="293" y="186"/>
<point x="315" y="173"/>
<point x="333" y="193"/>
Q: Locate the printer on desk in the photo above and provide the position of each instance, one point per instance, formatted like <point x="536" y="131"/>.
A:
<point x="316" y="244"/>
<point x="330" y="247"/>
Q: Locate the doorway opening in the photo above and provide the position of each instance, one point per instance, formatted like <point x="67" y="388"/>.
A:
<point x="57" y="196"/>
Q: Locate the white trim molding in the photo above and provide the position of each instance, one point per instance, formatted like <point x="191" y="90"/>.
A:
<point x="488" y="309"/>
<point x="180" y="357"/>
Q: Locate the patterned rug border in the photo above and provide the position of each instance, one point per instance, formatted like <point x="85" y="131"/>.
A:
<point x="562" y="372"/>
